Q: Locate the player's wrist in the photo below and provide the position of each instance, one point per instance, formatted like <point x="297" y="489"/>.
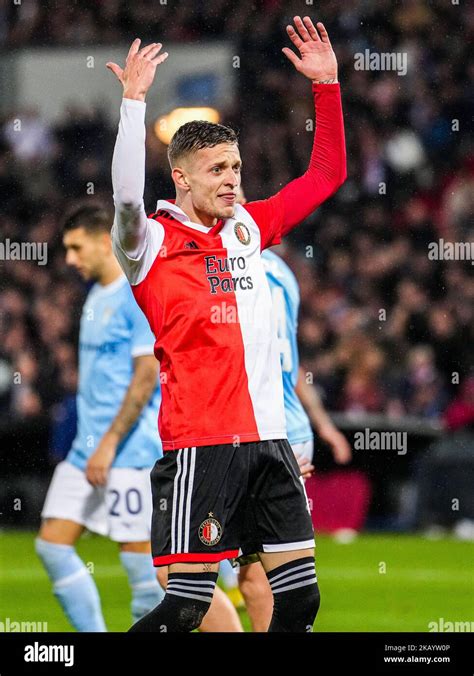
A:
<point x="328" y="80"/>
<point x="134" y="94"/>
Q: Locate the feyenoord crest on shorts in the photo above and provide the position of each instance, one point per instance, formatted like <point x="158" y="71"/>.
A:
<point x="210" y="531"/>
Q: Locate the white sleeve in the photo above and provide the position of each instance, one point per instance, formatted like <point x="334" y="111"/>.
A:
<point x="136" y="239"/>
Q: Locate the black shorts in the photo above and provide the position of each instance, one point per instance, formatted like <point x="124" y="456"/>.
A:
<point x="218" y="502"/>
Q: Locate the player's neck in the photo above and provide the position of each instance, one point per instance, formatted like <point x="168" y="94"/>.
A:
<point x="194" y="215"/>
<point x="110" y="273"/>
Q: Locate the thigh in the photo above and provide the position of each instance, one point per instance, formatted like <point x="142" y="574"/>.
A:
<point x="60" y="531"/>
<point x="138" y="547"/>
<point x="252" y="574"/>
<point x="273" y="560"/>
<point x="194" y="567"/>
<point x="162" y="576"/>
<point x="128" y="501"/>
<point x="72" y="498"/>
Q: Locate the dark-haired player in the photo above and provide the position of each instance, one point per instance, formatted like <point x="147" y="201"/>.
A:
<point x="104" y="482"/>
<point x="228" y="483"/>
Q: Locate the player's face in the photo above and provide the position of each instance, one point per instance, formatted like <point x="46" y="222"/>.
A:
<point x="213" y="176"/>
<point x="85" y="252"/>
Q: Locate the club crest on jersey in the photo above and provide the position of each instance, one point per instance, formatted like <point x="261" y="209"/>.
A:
<point x="242" y="233"/>
<point x="210" y="531"/>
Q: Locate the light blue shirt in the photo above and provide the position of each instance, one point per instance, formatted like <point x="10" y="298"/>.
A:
<point x="286" y="300"/>
<point x="113" y="332"/>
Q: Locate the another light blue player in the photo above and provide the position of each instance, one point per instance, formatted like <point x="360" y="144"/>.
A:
<point x="303" y="406"/>
<point x="286" y="300"/>
<point x="304" y="411"/>
<point x="104" y="482"/>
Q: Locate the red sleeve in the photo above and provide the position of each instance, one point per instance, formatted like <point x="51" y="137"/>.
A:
<point x="326" y="172"/>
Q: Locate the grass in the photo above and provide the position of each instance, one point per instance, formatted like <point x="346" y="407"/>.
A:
<point x="376" y="583"/>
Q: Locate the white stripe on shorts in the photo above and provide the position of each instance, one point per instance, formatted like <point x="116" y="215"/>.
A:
<point x="175" y="500"/>
<point x="187" y="524"/>
<point x="182" y="495"/>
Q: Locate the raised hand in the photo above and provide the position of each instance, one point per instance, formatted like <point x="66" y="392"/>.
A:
<point x="318" y="61"/>
<point x="140" y="66"/>
<point x="340" y="447"/>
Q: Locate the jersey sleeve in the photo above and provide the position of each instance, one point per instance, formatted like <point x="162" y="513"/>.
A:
<point x="136" y="239"/>
<point x="142" y="338"/>
<point x="326" y="172"/>
<point x="136" y="265"/>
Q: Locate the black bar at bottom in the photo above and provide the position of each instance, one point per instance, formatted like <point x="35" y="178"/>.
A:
<point x="318" y="653"/>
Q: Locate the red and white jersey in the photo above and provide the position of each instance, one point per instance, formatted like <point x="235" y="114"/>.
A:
<point x="207" y="299"/>
<point x="205" y="293"/>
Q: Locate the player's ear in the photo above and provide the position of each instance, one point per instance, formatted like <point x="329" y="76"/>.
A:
<point x="106" y="240"/>
<point x="180" y="179"/>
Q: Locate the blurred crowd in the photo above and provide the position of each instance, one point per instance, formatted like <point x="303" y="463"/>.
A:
<point x="384" y="328"/>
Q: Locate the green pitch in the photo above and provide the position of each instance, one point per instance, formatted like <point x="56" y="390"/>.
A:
<point x="376" y="583"/>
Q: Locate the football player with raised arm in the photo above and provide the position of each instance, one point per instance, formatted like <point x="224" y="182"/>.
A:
<point x="228" y="483"/>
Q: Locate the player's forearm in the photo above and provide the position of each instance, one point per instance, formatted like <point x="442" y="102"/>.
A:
<point x="327" y="167"/>
<point x="128" y="174"/>
<point x="139" y="392"/>
<point x="312" y="403"/>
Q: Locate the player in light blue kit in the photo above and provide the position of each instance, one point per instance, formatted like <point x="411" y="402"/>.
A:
<point x="303" y="406"/>
<point x="104" y="482"/>
<point x="303" y="409"/>
<point x="286" y="299"/>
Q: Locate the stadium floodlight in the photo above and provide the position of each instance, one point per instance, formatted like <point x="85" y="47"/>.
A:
<point x="166" y="125"/>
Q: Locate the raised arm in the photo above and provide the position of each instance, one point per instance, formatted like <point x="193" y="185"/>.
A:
<point x="128" y="163"/>
<point x="327" y="166"/>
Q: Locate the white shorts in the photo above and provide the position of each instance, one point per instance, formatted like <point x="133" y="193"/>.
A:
<point x="304" y="449"/>
<point x="120" y="510"/>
